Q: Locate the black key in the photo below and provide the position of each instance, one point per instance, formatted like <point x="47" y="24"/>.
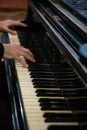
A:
<point x="38" y="65"/>
<point x="43" y="81"/>
<point x="51" y="100"/>
<point x="55" y="107"/>
<point x="76" y="92"/>
<point x="59" y="117"/>
<point x="81" y="116"/>
<point x="78" y="103"/>
<point x="64" y="75"/>
<point x="41" y="75"/>
<point x="44" y="85"/>
<point x="35" y="69"/>
<point x="47" y="93"/>
<point x="68" y="83"/>
<point x="64" y="127"/>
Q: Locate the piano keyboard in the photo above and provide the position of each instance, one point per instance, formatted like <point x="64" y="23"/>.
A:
<point x="45" y="105"/>
<point x="31" y="105"/>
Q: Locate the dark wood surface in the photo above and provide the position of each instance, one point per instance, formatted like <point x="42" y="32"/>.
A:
<point x="20" y="4"/>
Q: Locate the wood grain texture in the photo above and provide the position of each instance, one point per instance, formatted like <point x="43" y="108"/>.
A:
<point x="17" y="4"/>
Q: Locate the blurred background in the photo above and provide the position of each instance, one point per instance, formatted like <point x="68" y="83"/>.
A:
<point x="13" y="9"/>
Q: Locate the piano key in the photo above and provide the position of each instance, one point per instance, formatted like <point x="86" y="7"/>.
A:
<point x="78" y="103"/>
<point x="56" y="127"/>
<point x="81" y="116"/>
<point x="35" y="69"/>
<point x="39" y="65"/>
<point x="45" y="85"/>
<point x="50" y="80"/>
<point x="62" y="101"/>
<point x="61" y="68"/>
<point x="80" y="92"/>
<point x="55" y="107"/>
<point x="44" y="92"/>
<point x="41" y="75"/>
<point x="56" y="117"/>
<point x="51" y="101"/>
<point x="70" y="84"/>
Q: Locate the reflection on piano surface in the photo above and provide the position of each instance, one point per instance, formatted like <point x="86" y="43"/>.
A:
<point x="52" y="93"/>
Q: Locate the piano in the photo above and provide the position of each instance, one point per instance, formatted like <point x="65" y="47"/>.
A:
<point x="52" y="93"/>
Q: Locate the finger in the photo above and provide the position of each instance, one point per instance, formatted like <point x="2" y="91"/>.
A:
<point x="27" y="56"/>
<point x="19" y="23"/>
<point x="26" y="53"/>
<point x="22" y="61"/>
<point x="10" y="31"/>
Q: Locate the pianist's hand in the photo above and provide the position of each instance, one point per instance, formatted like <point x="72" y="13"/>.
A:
<point x="6" y="25"/>
<point x="16" y="51"/>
